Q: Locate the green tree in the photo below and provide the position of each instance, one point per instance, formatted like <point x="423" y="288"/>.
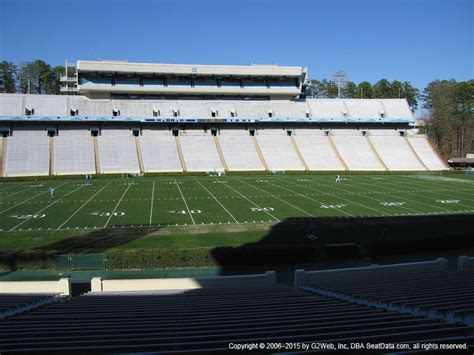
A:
<point x="382" y="89"/>
<point x="350" y="91"/>
<point x="8" y="73"/>
<point x="411" y="94"/>
<point x="365" y="90"/>
<point x="450" y="121"/>
<point x="42" y="78"/>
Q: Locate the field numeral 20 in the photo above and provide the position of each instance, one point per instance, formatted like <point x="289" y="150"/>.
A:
<point x="261" y="209"/>
<point x="28" y="216"/>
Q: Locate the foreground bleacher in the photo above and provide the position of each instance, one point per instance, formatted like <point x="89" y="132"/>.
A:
<point x="215" y="314"/>
<point x="427" y="289"/>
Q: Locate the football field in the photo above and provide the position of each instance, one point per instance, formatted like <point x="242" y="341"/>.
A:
<point x="166" y="202"/>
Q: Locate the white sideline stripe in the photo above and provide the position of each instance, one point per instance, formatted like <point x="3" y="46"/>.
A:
<point x="290" y="204"/>
<point x="312" y="199"/>
<point x="230" y="187"/>
<point x="210" y="193"/>
<point x="152" y="199"/>
<point x="22" y="202"/>
<point x="85" y="203"/>
<point x="41" y="210"/>
<point x="365" y="195"/>
<point x="116" y="206"/>
<point x="185" y="203"/>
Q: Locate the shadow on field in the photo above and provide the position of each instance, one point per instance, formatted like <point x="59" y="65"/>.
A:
<point x="93" y="242"/>
<point x="297" y="242"/>
<point x="97" y="241"/>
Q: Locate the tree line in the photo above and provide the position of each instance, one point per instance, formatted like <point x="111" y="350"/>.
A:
<point x="450" y="116"/>
<point x="36" y="77"/>
<point x="449" y="105"/>
<point x="383" y="89"/>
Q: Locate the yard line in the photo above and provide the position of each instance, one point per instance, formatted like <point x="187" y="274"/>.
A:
<point x="214" y="197"/>
<point x="312" y="199"/>
<point x="152" y="199"/>
<point x="8" y="187"/>
<point x="185" y="203"/>
<point x="85" y="203"/>
<point x="284" y="201"/>
<point x="116" y="206"/>
<point x="41" y="210"/>
<point x="371" y="198"/>
<point x="451" y="191"/>
<point x="17" y="192"/>
<point x="22" y="202"/>
<point x="253" y="203"/>
<point x="398" y="191"/>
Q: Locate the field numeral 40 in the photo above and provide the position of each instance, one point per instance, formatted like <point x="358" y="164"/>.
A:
<point x="261" y="209"/>
<point x="186" y="212"/>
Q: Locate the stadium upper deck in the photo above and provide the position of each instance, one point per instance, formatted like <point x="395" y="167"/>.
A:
<point x="105" y="79"/>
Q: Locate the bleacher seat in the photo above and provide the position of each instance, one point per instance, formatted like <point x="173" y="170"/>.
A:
<point x="28" y="152"/>
<point x="239" y="150"/>
<point x="117" y="150"/>
<point x="208" y="320"/>
<point x="426" y="153"/>
<point x="73" y="152"/>
<point x="200" y="151"/>
<point x="355" y="150"/>
<point x="316" y="149"/>
<point x="159" y="151"/>
<point x="394" y="150"/>
<point x="278" y="150"/>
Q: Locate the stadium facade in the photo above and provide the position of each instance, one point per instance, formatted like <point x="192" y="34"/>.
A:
<point x="142" y="118"/>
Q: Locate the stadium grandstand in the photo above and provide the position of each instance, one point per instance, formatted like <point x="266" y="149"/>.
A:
<point x="190" y="259"/>
<point x="142" y="118"/>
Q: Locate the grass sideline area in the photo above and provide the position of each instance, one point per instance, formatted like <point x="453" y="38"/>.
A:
<point x="169" y="216"/>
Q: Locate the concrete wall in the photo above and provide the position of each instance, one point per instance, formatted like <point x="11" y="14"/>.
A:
<point x="62" y="286"/>
<point x="100" y="285"/>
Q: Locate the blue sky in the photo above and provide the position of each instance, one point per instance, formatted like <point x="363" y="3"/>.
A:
<point x="414" y="40"/>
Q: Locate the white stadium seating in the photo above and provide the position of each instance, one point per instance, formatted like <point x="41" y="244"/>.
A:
<point x="200" y="151"/>
<point x="27" y="152"/>
<point x="355" y="150"/>
<point x="118" y="152"/>
<point x="360" y="108"/>
<point x="328" y="108"/>
<point x="159" y="151"/>
<point x="73" y="152"/>
<point x="278" y="150"/>
<point x="239" y="150"/>
<point x="316" y="149"/>
<point x="394" y="150"/>
<point x="426" y="153"/>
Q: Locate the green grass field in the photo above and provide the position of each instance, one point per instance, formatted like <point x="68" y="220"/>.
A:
<point x="186" y="211"/>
